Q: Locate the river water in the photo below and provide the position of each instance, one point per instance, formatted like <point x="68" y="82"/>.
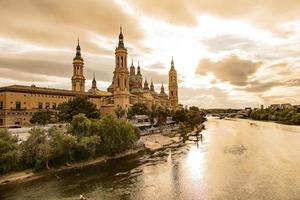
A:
<point x="238" y="159"/>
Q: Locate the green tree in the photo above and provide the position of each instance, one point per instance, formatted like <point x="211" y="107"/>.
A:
<point x="44" y="154"/>
<point x="117" y="135"/>
<point x="86" y="147"/>
<point x="162" y="115"/>
<point x="137" y="109"/>
<point x="9" y="151"/>
<point x="120" y="112"/>
<point x="30" y="147"/>
<point x="43" y="117"/>
<point x="78" y="105"/>
<point x="63" y="145"/>
<point x="81" y="125"/>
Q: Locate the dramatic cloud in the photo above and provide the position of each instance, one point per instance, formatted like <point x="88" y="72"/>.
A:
<point x="231" y="69"/>
<point x="227" y="53"/>
<point x="267" y="13"/>
<point x="55" y="24"/>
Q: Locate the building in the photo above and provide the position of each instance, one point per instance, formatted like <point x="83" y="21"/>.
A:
<point x="19" y="102"/>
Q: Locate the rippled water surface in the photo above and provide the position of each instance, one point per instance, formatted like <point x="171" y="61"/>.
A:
<point x="239" y="159"/>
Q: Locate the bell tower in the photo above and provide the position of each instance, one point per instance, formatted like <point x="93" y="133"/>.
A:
<point x="121" y="75"/>
<point x="78" y="80"/>
<point x="173" y="87"/>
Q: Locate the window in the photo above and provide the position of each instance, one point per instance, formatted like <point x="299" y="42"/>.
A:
<point x="118" y="82"/>
<point x="47" y="105"/>
<point x="54" y="105"/>
<point x="1" y="105"/>
<point x="1" y="122"/>
<point x="40" y="105"/>
<point x="18" y="105"/>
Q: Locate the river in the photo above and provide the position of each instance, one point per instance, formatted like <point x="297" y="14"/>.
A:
<point x="238" y="159"/>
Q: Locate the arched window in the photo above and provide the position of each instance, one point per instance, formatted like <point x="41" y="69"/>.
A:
<point x="122" y="61"/>
<point x="125" y="82"/>
<point x="172" y="93"/>
<point x="118" y="82"/>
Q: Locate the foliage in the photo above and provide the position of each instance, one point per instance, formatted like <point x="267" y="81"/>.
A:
<point x="9" y="151"/>
<point x="183" y="130"/>
<point x="78" y="105"/>
<point x="153" y="113"/>
<point x="43" y="117"/>
<point x="120" y="112"/>
<point x="63" y="146"/>
<point x="86" y="147"/>
<point x="80" y="125"/>
<point x="137" y="109"/>
<point x="162" y="115"/>
<point x="290" y="116"/>
<point x="30" y="148"/>
<point x="116" y="135"/>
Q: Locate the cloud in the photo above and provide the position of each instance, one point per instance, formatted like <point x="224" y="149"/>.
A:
<point x="230" y="69"/>
<point x="273" y="12"/>
<point x="229" y="42"/>
<point x="258" y="87"/>
<point x="54" y="24"/>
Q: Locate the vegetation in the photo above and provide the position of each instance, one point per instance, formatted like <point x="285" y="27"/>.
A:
<point x="78" y="105"/>
<point x="137" y="109"/>
<point x="116" y="135"/>
<point x="120" y="112"/>
<point x="84" y="139"/>
<point x="43" y="117"/>
<point x="9" y="151"/>
<point x="188" y="120"/>
<point x="289" y="116"/>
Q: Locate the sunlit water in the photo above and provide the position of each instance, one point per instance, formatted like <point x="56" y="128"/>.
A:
<point x="239" y="159"/>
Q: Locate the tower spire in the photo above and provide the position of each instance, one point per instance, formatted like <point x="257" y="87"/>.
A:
<point x="121" y="39"/>
<point x="172" y="63"/>
<point x="139" y="69"/>
<point x="78" y="50"/>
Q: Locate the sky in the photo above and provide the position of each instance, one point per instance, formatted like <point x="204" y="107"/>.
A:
<point x="227" y="53"/>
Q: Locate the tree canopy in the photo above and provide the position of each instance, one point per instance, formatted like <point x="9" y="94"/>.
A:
<point x="79" y="104"/>
<point x="43" y="117"/>
<point x="9" y="151"/>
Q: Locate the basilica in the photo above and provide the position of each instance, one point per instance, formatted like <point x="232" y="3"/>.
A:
<point x="19" y="102"/>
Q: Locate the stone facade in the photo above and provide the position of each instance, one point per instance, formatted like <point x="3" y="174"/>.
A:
<point x="18" y="102"/>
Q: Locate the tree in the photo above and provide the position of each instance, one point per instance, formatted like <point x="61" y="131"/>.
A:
<point x="117" y="135"/>
<point x="63" y="146"/>
<point x="153" y="113"/>
<point x="180" y="115"/>
<point x="44" y="154"/>
<point x="183" y="130"/>
<point x="81" y="125"/>
<point x="137" y="109"/>
<point x="162" y="115"/>
<point x="120" y="112"/>
<point x="86" y="147"/>
<point x="9" y="151"/>
<point x="43" y="117"/>
<point x="78" y="105"/>
<point x="30" y="147"/>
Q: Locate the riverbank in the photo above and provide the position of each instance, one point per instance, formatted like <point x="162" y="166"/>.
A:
<point x="151" y="143"/>
<point x="30" y="174"/>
